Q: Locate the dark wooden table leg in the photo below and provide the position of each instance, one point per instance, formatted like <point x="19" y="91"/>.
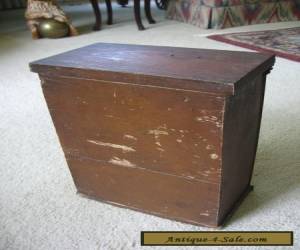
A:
<point x="137" y="15"/>
<point x="97" y="12"/>
<point x="148" y="11"/>
<point x="109" y="12"/>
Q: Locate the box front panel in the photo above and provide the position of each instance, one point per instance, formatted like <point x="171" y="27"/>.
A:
<point x="163" y="135"/>
<point x="161" y="130"/>
<point x="163" y="195"/>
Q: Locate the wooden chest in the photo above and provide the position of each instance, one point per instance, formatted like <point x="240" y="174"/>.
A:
<point x="167" y="131"/>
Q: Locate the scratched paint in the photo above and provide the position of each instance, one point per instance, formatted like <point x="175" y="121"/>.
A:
<point x="209" y="147"/>
<point x="186" y="99"/>
<point x="214" y="156"/>
<point x="157" y="132"/>
<point x="131" y="137"/>
<point x="207" y="118"/>
<point x="124" y="148"/>
<point x="205" y="214"/>
<point x="121" y="162"/>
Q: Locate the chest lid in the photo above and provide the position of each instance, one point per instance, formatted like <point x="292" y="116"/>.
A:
<point x="206" y="70"/>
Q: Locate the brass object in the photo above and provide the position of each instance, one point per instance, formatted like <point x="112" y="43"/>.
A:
<point x="50" y="28"/>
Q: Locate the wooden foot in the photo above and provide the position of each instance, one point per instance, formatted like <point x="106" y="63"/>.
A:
<point x="123" y="3"/>
<point x="73" y="31"/>
<point x="141" y="27"/>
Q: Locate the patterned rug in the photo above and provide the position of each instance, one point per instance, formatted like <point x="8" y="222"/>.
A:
<point x="284" y="42"/>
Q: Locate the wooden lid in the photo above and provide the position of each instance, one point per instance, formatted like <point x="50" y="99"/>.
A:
<point x="215" y="71"/>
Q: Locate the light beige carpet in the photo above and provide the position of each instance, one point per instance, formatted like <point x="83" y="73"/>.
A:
<point x="39" y="208"/>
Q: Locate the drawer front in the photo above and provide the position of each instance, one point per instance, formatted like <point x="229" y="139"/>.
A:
<point x="161" y="130"/>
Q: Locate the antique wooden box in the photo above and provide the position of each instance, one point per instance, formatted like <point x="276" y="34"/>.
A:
<point x="167" y="131"/>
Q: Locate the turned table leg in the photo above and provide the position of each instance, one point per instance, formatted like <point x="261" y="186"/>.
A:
<point x="109" y="12"/>
<point x="97" y="12"/>
<point x="148" y="11"/>
<point x="137" y="15"/>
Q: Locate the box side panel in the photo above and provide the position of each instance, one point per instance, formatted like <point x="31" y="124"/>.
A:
<point x="161" y="130"/>
<point x="241" y="129"/>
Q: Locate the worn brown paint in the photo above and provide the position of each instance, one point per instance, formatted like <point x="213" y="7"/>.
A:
<point x="167" y="131"/>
